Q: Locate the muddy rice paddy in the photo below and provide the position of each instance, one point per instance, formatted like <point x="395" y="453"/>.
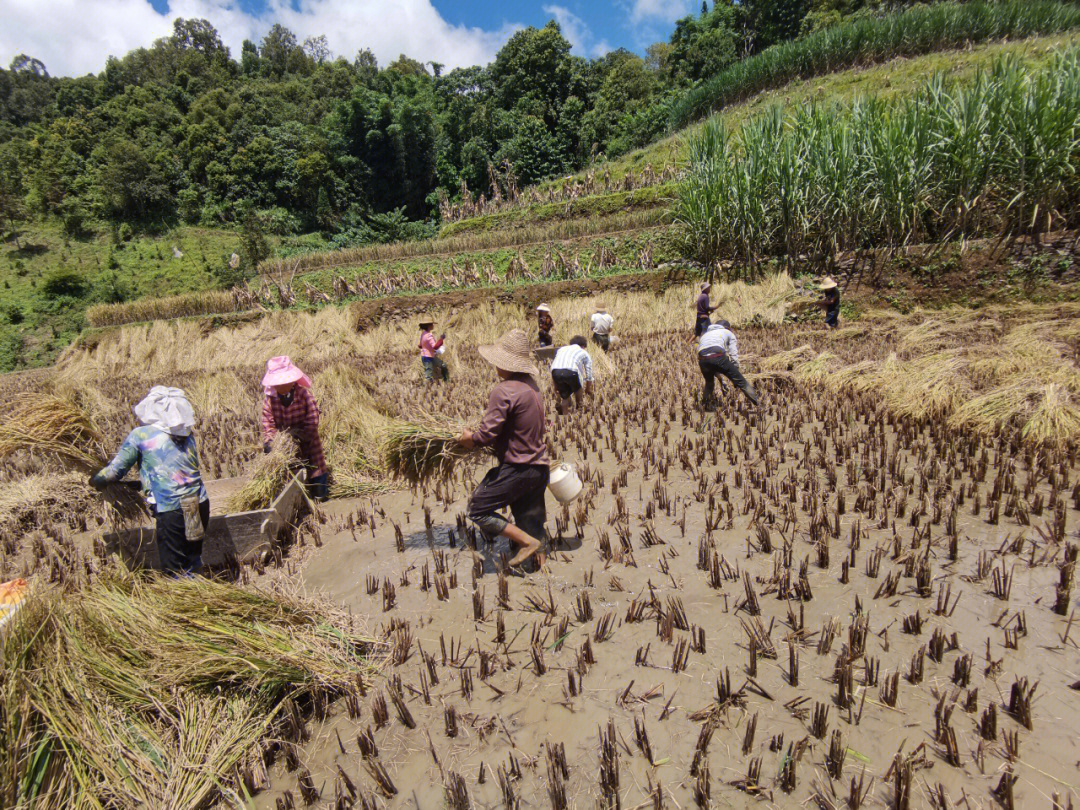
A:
<point x="816" y="601"/>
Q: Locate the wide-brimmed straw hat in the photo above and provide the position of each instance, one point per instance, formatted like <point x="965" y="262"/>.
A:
<point x="828" y="284"/>
<point x="511" y="353"/>
<point x="601" y="306"/>
<point x="426" y="320"/>
<point x="543" y="308"/>
<point x="282" y="371"/>
<point x="706" y="286"/>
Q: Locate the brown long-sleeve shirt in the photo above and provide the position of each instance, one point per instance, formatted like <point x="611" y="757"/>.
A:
<point x="513" y="425"/>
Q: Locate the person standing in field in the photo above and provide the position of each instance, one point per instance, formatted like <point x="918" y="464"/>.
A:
<point x="701" y="322"/>
<point x="572" y="372"/>
<point x="164" y="449"/>
<point x="601" y="327"/>
<point x="289" y="406"/>
<point x="545" y="323"/>
<point x="830" y="302"/>
<point x="434" y="366"/>
<point x="513" y="426"/>
<point x="718" y="356"/>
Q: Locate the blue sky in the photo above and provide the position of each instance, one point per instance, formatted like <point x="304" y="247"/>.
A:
<point x="73" y="37"/>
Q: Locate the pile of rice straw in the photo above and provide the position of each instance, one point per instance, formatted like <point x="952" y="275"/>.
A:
<point x="51" y="427"/>
<point x="145" y="692"/>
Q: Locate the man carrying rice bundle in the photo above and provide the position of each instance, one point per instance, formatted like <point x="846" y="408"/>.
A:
<point x="572" y="372"/>
<point x="718" y="356"/>
<point x="601" y="326"/>
<point x="513" y="426"/>
<point x="164" y="449"/>
<point x="289" y="406"/>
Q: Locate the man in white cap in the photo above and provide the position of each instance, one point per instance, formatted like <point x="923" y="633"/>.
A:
<point x="830" y="302"/>
<point x="702" y="321"/>
<point x="513" y="426"/>
<point x="601" y="326"/>
<point x="545" y="324"/>
<point x="164" y="449"/>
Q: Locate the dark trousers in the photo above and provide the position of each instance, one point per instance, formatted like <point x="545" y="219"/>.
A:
<point x="522" y="487"/>
<point x="720" y="364"/>
<point x="603" y="341"/>
<point x="701" y="324"/>
<point x="543" y="338"/>
<point x="178" y="557"/>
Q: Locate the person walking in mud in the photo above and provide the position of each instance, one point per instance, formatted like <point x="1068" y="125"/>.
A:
<point x="718" y="356"/>
<point x="513" y="427"/>
<point x="602" y="322"/>
<point x="164" y="449"/>
<point x="701" y="305"/>
<point x="830" y="302"/>
<point x="545" y="324"/>
<point x="435" y="369"/>
<point x="289" y="406"/>
<point x="572" y="373"/>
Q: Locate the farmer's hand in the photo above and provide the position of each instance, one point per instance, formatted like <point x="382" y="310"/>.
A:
<point x="98" y="482"/>
<point x="466" y="440"/>
<point x="266" y="448"/>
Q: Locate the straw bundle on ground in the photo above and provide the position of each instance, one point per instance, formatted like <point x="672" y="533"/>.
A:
<point x="417" y="452"/>
<point x="52" y="427"/>
<point x="145" y="692"/>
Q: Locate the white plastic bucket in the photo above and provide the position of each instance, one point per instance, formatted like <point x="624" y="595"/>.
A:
<point x="564" y="483"/>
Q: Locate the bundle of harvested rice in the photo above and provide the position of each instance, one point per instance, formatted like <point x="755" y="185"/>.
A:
<point x="1055" y="421"/>
<point x="38" y="501"/>
<point x="145" y="692"/>
<point x="418" y="451"/>
<point x="52" y="427"/>
<point x="268" y="475"/>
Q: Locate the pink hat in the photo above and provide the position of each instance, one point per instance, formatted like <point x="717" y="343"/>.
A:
<point x="281" y="371"/>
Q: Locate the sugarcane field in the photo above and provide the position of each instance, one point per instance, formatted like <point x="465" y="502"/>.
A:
<point x="732" y="463"/>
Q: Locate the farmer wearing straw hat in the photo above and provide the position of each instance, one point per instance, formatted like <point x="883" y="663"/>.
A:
<point x="164" y="449"/>
<point x="703" y="310"/>
<point x="830" y="302"/>
<point x="545" y="323"/>
<point x="513" y="426"/>
<point x="601" y="326"/>
<point x="434" y="366"/>
<point x="289" y="406"/>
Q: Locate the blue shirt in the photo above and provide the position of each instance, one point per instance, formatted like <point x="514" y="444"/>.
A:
<point x="168" y="467"/>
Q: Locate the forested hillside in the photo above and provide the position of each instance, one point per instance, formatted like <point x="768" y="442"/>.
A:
<point x="181" y="166"/>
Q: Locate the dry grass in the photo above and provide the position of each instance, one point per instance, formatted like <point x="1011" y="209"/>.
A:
<point x="207" y="302"/>
<point x="267" y="476"/>
<point x="139" y="692"/>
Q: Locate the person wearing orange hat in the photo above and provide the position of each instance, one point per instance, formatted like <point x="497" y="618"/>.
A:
<point x="513" y="427"/>
<point x="830" y="302"/>
<point x="289" y="406"/>
<point x="545" y="323"/>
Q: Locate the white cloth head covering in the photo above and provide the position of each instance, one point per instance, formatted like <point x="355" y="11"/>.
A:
<point x="167" y="409"/>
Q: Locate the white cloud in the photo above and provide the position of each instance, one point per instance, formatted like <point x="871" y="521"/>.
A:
<point x="601" y="48"/>
<point x="575" y="29"/>
<point x="666" y="11"/>
<point x="73" y="37"/>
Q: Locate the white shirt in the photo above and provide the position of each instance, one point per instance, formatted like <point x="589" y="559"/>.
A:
<point x="717" y="337"/>
<point x="602" y="323"/>
<point x="574" y="358"/>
